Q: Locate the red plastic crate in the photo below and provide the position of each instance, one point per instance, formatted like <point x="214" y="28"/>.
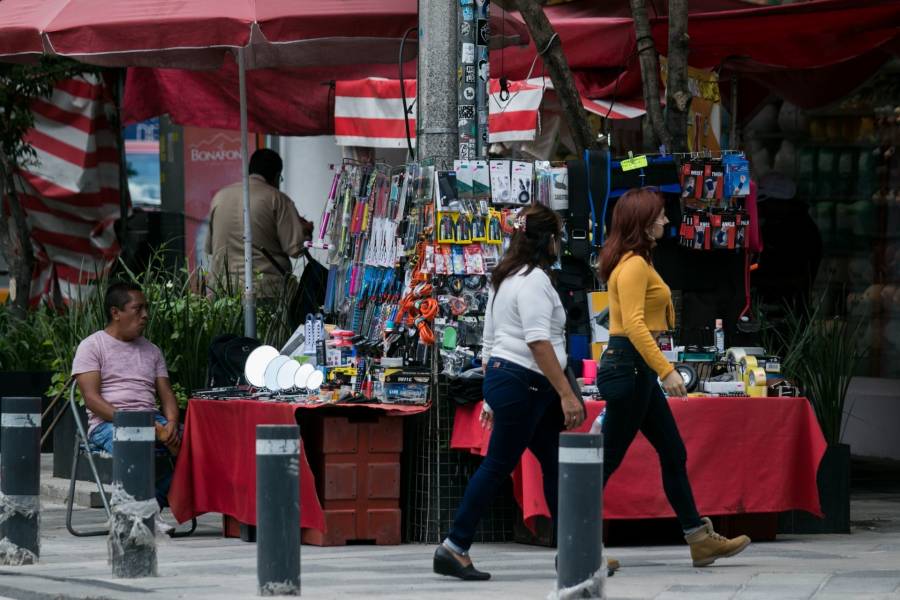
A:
<point x="356" y="462"/>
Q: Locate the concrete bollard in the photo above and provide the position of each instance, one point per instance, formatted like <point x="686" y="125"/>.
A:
<point x="278" y="510"/>
<point x="20" y="480"/>
<point x="580" y="522"/>
<point x="132" y="532"/>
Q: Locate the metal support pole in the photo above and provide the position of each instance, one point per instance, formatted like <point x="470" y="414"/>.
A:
<point x="436" y="103"/>
<point x="20" y="480"/>
<point x="249" y="294"/>
<point x="467" y="95"/>
<point x="278" y="510"/>
<point x="483" y="89"/>
<point x="132" y="534"/>
<point x="580" y="534"/>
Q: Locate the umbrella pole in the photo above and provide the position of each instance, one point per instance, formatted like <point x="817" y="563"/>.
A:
<point x="249" y="297"/>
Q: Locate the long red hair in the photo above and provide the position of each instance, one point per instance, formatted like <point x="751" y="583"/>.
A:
<point x="633" y="217"/>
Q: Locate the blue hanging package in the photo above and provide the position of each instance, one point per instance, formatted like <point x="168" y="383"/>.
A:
<point x="737" y="175"/>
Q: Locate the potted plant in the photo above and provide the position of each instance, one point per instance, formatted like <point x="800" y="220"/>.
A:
<point x="25" y="360"/>
<point x="821" y="357"/>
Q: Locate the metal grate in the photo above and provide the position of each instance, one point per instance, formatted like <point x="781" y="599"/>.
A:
<point x="436" y="479"/>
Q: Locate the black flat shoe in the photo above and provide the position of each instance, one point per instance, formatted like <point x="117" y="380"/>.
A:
<point x="446" y="564"/>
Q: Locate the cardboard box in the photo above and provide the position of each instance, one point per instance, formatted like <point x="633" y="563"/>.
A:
<point x="404" y="385"/>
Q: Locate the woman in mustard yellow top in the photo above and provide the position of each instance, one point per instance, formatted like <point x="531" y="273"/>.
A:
<point x="640" y="308"/>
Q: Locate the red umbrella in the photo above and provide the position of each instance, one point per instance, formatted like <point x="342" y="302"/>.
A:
<point x="196" y="34"/>
<point x="199" y="33"/>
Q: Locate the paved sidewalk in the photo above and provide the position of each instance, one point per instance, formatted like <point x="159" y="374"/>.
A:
<point x="861" y="566"/>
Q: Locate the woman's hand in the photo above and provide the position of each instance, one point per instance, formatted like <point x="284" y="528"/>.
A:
<point x="674" y="384"/>
<point x="486" y="418"/>
<point x="572" y="410"/>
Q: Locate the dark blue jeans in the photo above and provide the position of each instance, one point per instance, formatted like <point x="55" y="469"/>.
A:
<point x="635" y="402"/>
<point x="101" y="439"/>
<point x="527" y="414"/>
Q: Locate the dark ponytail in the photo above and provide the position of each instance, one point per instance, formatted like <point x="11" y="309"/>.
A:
<point x="530" y="244"/>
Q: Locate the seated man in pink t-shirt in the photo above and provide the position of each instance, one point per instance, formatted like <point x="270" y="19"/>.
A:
<point x="118" y="369"/>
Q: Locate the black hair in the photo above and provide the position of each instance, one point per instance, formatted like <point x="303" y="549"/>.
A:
<point x="267" y="163"/>
<point x="529" y="248"/>
<point x="117" y="296"/>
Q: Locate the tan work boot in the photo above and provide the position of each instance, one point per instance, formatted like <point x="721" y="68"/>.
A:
<point x="707" y="546"/>
<point x="612" y="565"/>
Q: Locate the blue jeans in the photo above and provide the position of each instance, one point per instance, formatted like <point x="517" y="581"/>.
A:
<point x="635" y="402"/>
<point x="527" y="414"/>
<point x="101" y="440"/>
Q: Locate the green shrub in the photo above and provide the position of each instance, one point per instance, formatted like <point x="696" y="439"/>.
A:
<point x="184" y="318"/>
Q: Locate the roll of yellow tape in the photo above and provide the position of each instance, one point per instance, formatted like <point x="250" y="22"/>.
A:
<point x="748" y="363"/>
<point x="758" y="391"/>
<point x="756" y="377"/>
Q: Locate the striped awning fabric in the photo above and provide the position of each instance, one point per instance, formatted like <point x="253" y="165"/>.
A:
<point x="71" y="191"/>
<point x="369" y="112"/>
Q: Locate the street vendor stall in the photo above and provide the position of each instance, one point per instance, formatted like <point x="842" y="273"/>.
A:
<point x="217" y="466"/>
<point x="745" y="456"/>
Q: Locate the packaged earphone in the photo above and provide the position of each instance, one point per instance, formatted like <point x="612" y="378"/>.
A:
<point x="522" y="179"/>
<point x="501" y="187"/>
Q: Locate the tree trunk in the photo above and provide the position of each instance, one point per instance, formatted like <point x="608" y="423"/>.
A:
<point x="678" y="96"/>
<point x="646" y="49"/>
<point x="15" y="243"/>
<point x="549" y="46"/>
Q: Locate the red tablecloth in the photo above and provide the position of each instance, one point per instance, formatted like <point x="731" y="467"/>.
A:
<point x="216" y="470"/>
<point x="745" y="455"/>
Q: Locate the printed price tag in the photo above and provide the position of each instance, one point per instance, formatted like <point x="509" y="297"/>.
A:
<point x="631" y="164"/>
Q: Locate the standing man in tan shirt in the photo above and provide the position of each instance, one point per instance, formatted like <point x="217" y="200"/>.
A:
<point x="278" y="229"/>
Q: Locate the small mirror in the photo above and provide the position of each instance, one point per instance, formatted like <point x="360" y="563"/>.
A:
<point x="257" y="361"/>
<point x="286" y="374"/>
<point x="271" y="376"/>
<point x="315" y="381"/>
<point x="302" y="375"/>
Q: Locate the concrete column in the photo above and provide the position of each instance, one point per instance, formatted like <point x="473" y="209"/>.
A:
<point x="436" y="90"/>
<point x="278" y="510"/>
<point x="580" y="522"/>
<point x="132" y="534"/>
<point x="20" y="481"/>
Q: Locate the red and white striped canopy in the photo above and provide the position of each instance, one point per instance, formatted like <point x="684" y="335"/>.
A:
<point x="369" y="112"/>
<point x="71" y="192"/>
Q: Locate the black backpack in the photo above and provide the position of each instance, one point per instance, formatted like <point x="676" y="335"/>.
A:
<point x="310" y="295"/>
<point x="227" y="355"/>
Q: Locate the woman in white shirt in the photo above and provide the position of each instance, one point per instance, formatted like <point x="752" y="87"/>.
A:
<point x="530" y="399"/>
